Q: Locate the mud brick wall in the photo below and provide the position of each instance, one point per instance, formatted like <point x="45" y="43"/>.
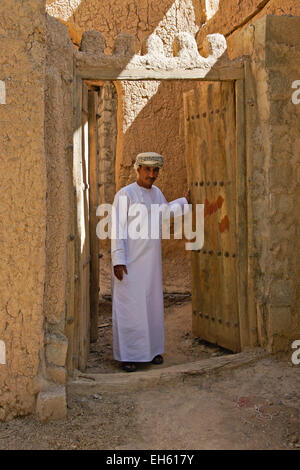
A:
<point x="22" y="201"/>
<point x="59" y="281"/>
<point x="282" y="289"/>
<point x="273" y="139"/>
<point x="107" y="141"/>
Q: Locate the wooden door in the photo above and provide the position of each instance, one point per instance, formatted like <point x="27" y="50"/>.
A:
<point x="81" y="333"/>
<point x="84" y="342"/>
<point x="211" y="157"/>
<point x="93" y="219"/>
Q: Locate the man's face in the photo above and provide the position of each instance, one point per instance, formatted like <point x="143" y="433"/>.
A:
<point x="147" y="175"/>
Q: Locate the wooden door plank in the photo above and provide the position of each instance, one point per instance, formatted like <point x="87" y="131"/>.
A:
<point x="94" y="201"/>
<point x="84" y="317"/>
<point x="210" y="131"/>
<point x="77" y="163"/>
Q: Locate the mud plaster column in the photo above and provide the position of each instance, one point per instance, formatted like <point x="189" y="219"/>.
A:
<point x="59" y="280"/>
<point x="23" y="203"/>
<point x="283" y="68"/>
<point x="273" y="139"/>
<point x="107" y="141"/>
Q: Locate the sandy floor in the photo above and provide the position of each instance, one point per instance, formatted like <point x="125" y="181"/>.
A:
<point x="253" y="407"/>
<point x="180" y="346"/>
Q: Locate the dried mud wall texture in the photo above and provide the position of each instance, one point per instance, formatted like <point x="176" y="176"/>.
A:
<point x="139" y="18"/>
<point x="273" y="165"/>
<point x="232" y="15"/>
<point x="283" y="65"/>
<point x="59" y="282"/>
<point x="107" y="141"/>
<point x="23" y="202"/>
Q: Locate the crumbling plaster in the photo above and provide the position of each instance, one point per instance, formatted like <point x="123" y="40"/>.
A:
<point x="58" y="303"/>
<point x="232" y="15"/>
<point x="23" y="202"/>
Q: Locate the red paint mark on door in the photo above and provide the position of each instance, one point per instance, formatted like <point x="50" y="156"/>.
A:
<point x="212" y="207"/>
<point x="224" y="224"/>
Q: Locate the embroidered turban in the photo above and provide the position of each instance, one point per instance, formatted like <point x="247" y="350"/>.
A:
<point x="149" y="159"/>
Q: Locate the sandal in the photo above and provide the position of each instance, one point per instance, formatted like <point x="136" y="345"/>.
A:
<point x="157" y="360"/>
<point x="128" y="366"/>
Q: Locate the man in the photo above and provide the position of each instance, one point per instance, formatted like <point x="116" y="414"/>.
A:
<point x="137" y="289"/>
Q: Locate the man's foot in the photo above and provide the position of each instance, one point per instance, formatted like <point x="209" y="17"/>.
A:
<point x="157" y="360"/>
<point x="128" y="366"/>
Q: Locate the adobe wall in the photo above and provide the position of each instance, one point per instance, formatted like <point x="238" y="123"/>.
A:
<point x="23" y="202"/>
<point x="281" y="293"/>
<point x="107" y="141"/>
<point x="231" y="16"/>
<point x="59" y="281"/>
<point x="273" y="164"/>
<point x="283" y="65"/>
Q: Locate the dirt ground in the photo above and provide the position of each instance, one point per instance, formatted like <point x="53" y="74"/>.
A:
<point x="180" y="346"/>
<point x="252" y="407"/>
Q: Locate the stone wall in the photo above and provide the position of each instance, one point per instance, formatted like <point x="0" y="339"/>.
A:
<point x="23" y="202"/>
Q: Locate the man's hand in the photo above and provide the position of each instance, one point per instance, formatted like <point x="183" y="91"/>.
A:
<point x="118" y="271"/>
<point x="188" y="196"/>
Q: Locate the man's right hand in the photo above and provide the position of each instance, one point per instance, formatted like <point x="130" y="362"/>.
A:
<point x="118" y="271"/>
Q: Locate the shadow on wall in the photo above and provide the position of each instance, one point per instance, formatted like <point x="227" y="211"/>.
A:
<point x="139" y="18"/>
<point x="235" y="14"/>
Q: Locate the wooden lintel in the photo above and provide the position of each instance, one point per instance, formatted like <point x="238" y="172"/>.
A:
<point x="228" y="72"/>
<point x="94" y="85"/>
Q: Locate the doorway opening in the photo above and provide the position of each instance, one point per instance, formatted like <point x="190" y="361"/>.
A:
<point x="202" y="289"/>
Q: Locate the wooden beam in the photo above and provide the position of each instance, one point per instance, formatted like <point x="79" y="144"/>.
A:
<point x="226" y="71"/>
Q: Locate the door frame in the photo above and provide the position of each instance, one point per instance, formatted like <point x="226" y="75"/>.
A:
<point x="234" y="73"/>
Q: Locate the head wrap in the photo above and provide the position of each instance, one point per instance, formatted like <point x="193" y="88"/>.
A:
<point x="149" y="159"/>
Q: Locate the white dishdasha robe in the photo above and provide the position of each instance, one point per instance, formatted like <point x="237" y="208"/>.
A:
<point x="137" y="300"/>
